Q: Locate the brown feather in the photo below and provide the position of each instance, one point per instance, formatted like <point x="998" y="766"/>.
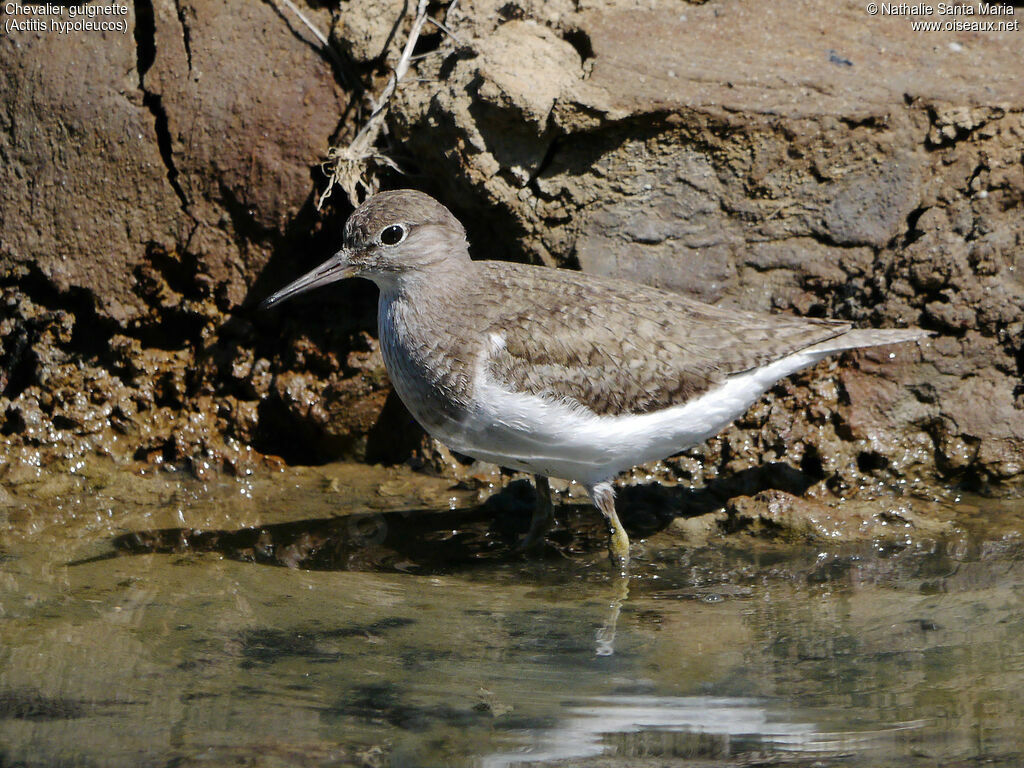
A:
<point x="618" y="347"/>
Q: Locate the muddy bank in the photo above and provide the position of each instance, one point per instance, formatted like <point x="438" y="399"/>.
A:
<point x="834" y="165"/>
<point x="346" y="516"/>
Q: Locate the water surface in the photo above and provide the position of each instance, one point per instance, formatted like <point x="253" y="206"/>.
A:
<point x="354" y="616"/>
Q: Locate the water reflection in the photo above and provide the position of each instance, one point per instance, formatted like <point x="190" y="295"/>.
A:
<point x="421" y="541"/>
<point x="605" y="638"/>
<point x="685" y="727"/>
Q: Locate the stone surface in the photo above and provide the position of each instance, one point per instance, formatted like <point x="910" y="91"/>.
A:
<point x="140" y="204"/>
<point x="799" y="157"/>
<point x="83" y="188"/>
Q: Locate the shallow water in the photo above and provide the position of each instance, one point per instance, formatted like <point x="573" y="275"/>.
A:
<point x="163" y="621"/>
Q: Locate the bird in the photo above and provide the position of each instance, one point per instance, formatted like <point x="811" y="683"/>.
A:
<point x="557" y="372"/>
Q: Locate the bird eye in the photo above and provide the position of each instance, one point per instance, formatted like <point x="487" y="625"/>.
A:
<point x="392" y="235"/>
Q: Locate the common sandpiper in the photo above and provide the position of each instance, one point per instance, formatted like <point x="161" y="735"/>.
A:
<point x="557" y="372"/>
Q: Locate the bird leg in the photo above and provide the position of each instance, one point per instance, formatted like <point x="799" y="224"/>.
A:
<point x="543" y="515"/>
<point x="603" y="496"/>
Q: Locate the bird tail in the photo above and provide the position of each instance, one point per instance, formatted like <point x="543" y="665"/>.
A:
<point x="867" y="337"/>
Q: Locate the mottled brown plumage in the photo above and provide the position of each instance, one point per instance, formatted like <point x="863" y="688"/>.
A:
<point x="618" y="347"/>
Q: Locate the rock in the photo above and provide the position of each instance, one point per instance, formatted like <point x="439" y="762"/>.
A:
<point x="84" y="195"/>
<point x="363" y="29"/>
<point x="832" y="164"/>
<point x="778" y="515"/>
<point x="140" y="204"/>
<point x="247" y="108"/>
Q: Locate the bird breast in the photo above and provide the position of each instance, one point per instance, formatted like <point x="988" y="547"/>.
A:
<point x="425" y="364"/>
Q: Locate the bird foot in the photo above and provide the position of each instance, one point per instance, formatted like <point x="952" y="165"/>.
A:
<point x="533" y="540"/>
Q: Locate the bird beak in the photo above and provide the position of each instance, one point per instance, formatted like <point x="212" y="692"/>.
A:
<point x="335" y="268"/>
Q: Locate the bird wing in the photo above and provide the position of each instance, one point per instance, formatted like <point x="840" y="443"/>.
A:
<point x="619" y="347"/>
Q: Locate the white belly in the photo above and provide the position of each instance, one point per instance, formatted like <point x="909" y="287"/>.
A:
<point x="564" y="440"/>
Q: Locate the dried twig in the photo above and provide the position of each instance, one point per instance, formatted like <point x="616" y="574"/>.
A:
<point x="444" y="29"/>
<point x="345" y="166"/>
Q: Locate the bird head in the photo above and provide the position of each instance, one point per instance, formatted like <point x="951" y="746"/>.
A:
<point x="392" y="237"/>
